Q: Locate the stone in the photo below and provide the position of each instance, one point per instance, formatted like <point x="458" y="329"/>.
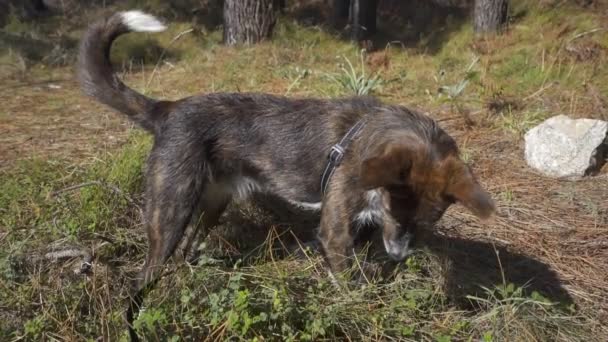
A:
<point x="561" y="147"/>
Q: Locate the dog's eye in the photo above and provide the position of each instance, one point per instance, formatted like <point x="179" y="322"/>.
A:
<point x="402" y="175"/>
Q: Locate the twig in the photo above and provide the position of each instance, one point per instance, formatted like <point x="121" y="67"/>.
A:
<point x="111" y="187"/>
<point x="67" y="253"/>
<point x="32" y="84"/>
<point x="582" y="34"/>
<point x="360" y="268"/>
<point x="504" y="242"/>
<point x="586" y="243"/>
<point x="536" y="93"/>
<point x="84" y="185"/>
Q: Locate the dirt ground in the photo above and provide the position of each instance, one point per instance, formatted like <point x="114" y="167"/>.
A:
<point x="51" y="118"/>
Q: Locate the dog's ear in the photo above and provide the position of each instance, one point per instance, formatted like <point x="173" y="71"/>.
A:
<point x="464" y="188"/>
<point x="390" y="165"/>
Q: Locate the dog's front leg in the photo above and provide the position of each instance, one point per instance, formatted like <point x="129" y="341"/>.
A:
<point x="337" y="241"/>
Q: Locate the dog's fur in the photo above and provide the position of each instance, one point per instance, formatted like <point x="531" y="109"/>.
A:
<point x="401" y="171"/>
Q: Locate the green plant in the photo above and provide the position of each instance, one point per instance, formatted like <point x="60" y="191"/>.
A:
<point x="453" y="94"/>
<point x="33" y="328"/>
<point x="443" y="338"/>
<point x="149" y="319"/>
<point x="300" y="74"/>
<point x="520" y="123"/>
<point x="233" y="308"/>
<point x="356" y="82"/>
<point x="466" y="154"/>
<point x="507" y="196"/>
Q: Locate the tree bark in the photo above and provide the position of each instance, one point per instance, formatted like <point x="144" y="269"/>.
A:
<point x="490" y="16"/>
<point x="248" y="21"/>
<point x="363" y="19"/>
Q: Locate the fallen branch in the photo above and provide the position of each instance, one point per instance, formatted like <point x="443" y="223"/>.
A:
<point x="73" y="252"/>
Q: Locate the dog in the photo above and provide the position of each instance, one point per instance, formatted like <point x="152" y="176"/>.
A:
<point x="356" y="160"/>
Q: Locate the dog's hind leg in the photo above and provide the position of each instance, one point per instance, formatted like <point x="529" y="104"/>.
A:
<point x="170" y="205"/>
<point x="175" y="214"/>
<point x="207" y="215"/>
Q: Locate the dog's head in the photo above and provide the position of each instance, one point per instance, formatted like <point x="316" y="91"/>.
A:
<point x="423" y="175"/>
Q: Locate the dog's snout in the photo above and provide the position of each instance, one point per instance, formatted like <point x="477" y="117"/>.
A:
<point x="398" y="249"/>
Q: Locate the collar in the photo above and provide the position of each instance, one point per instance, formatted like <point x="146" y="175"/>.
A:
<point x="336" y="153"/>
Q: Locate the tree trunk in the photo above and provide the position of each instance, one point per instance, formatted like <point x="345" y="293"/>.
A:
<point x="490" y="15"/>
<point x="360" y="15"/>
<point x="363" y="19"/>
<point x="248" y="21"/>
<point x="340" y="10"/>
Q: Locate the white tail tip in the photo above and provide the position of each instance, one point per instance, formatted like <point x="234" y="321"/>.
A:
<point x="139" y="21"/>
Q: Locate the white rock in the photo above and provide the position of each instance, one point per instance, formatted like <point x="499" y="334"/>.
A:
<point x="562" y="147"/>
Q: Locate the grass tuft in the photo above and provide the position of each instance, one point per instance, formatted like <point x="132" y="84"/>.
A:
<point x="356" y="82"/>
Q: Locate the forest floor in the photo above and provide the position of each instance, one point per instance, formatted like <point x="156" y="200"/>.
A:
<point x="71" y="172"/>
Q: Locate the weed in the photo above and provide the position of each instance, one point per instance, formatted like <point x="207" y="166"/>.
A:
<point x="507" y="196"/>
<point x="300" y="74"/>
<point x="34" y="327"/>
<point x="454" y="93"/>
<point x="353" y="81"/>
<point x="466" y="154"/>
<point x="150" y="319"/>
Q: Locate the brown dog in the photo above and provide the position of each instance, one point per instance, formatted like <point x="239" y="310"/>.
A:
<point x="389" y="166"/>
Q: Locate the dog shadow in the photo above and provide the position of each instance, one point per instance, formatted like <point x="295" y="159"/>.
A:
<point x="469" y="267"/>
<point x="473" y="265"/>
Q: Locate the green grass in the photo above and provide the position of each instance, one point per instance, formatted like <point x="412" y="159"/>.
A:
<point x="27" y="191"/>
<point x="39" y="221"/>
<point x="520" y="123"/>
<point x="288" y="299"/>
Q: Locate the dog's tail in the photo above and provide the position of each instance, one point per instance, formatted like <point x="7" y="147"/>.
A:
<point x="95" y="73"/>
